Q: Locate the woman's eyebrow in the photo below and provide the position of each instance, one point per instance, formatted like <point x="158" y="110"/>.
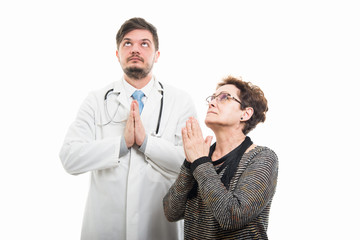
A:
<point x="214" y="94"/>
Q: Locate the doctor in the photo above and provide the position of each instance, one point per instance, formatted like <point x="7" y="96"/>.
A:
<point x="132" y="149"/>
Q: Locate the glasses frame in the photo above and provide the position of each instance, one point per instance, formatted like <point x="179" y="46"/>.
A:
<point x="216" y="97"/>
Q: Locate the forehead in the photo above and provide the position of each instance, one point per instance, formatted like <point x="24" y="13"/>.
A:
<point x="229" y="88"/>
<point x="138" y="35"/>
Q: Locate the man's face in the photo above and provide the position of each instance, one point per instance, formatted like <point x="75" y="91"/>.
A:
<point x="137" y="53"/>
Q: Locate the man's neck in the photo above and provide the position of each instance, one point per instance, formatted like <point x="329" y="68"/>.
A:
<point x="138" y="83"/>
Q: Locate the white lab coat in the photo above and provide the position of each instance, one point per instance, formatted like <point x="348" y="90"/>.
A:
<point x="125" y="196"/>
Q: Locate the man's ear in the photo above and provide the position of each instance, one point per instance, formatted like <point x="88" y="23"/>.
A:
<point x="157" y="55"/>
<point x="117" y="55"/>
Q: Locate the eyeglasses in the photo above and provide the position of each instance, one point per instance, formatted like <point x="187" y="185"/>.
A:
<point x="221" y="98"/>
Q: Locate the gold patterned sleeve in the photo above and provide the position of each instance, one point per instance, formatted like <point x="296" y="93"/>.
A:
<point x="174" y="201"/>
<point x="249" y="194"/>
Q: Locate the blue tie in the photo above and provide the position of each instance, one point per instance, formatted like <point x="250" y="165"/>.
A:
<point x="138" y="95"/>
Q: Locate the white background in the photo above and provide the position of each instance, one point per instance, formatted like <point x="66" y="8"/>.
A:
<point x="305" y="56"/>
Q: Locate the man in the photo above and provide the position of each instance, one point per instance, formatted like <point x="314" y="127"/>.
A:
<point x="132" y="148"/>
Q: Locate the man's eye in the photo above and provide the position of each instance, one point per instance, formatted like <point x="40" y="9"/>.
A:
<point x="145" y="44"/>
<point x="126" y="44"/>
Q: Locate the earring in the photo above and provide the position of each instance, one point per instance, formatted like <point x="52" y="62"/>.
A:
<point x="241" y="118"/>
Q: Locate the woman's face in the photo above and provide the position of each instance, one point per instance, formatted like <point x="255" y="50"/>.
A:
<point x="224" y="110"/>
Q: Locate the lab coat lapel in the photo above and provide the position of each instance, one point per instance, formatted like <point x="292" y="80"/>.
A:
<point x="122" y="98"/>
<point x="152" y="106"/>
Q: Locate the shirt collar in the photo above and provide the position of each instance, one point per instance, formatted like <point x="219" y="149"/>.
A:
<point x="129" y="90"/>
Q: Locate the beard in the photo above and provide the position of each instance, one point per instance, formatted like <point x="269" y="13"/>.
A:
<point x="137" y="73"/>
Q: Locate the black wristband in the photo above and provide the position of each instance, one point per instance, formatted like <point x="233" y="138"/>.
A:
<point x="187" y="164"/>
<point x="198" y="162"/>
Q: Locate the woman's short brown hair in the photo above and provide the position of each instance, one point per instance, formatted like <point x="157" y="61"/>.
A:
<point x="250" y="96"/>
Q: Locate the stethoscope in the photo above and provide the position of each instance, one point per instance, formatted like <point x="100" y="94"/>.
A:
<point x="111" y="91"/>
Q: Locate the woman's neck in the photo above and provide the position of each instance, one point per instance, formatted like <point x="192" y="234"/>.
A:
<point x="226" y="141"/>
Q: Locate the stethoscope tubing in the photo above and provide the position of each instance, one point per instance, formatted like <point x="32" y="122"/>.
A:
<point x="112" y="119"/>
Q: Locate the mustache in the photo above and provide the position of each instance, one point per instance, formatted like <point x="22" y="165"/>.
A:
<point x="135" y="56"/>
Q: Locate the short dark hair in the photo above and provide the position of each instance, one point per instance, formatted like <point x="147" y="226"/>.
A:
<point x="133" y="24"/>
<point x="250" y="96"/>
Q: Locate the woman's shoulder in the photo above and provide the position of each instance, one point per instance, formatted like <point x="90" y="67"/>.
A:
<point x="262" y="153"/>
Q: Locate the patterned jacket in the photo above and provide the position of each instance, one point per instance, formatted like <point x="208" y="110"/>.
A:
<point x="239" y="212"/>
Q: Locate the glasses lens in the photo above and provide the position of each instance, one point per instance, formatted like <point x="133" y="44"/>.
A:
<point x="222" y="97"/>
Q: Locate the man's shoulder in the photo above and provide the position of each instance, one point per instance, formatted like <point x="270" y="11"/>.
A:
<point x="174" y="91"/>
<point x="100" y="93"/>
<point x="113" y="86"/>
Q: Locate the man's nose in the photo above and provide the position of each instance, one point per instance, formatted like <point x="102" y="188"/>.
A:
<point x="135" y="49"/>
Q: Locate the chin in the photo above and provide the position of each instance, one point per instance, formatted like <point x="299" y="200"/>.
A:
<point x="208" y="122"/>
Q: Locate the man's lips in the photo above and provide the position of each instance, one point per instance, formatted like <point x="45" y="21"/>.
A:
<point x="135" y="58"/>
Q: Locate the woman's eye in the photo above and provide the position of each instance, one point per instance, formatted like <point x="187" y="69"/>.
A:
<point x="222" y="97"/>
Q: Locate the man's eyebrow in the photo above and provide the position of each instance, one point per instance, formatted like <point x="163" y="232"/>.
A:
<point x="144" y="39"/>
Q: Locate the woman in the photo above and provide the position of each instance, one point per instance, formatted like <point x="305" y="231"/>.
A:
<point x="225" y="191"/>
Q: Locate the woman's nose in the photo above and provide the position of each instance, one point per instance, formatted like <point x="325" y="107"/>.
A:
<point x="212" y="103"/>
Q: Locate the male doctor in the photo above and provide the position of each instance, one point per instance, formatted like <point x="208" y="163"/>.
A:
<point x="132" y="148"/>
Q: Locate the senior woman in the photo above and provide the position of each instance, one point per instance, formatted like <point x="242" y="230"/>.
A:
<point x="224" y="191"/>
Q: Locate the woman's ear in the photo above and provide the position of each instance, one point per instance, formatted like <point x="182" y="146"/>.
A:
<point x="246" y="114"/>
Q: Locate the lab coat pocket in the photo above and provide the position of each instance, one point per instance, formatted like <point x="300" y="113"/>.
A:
<point x="156" y="174"/>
